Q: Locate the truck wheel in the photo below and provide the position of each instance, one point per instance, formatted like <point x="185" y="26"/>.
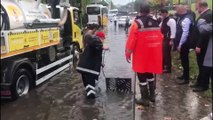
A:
<point x="76" y="54"/>
<point x="21" y="83"/>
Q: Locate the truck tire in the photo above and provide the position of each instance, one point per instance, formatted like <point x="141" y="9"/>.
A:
<point x="21" y="83"/>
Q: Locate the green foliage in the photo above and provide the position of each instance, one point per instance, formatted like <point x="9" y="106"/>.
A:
<point x="192" y="64"/>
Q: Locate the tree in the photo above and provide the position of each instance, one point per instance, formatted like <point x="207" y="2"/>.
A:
<point x="113" y="6"/>
<point x="137" y="5"/>
<point x="156" y="4"/>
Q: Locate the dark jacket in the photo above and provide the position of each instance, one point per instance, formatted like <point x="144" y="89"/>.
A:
<point x="206" y="29"/>
<point x="165" y="29"/>
<point x="199" y="40"/>
<point x="190" y="12"/>
<point x="91" y="58"/>
<point x="179" y="31"/>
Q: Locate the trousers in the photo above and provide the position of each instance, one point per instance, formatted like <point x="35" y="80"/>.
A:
<point x="184" y="56"/>
<point x="206" y="75"/>
<point x="88" y="80"/>
<point x="144" y="78"/>
<point x="167" y="60"/>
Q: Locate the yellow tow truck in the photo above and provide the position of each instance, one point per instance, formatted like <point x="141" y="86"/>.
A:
<point x="37" y="42"/>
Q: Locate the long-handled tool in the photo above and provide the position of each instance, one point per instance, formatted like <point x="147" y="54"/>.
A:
<point x="134" y="92"/>
<point x="116" y="83"/>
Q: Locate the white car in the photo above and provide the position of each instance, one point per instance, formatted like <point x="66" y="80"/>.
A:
<point x="122" y="21"/>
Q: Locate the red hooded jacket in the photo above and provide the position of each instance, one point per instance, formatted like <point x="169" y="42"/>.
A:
<point x="145" y="45"/>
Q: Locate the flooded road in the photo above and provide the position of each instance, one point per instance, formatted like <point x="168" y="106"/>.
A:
<point x="63" y="97"/>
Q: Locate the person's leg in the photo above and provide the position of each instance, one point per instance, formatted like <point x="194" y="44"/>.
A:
<point x="151" y="80"/>
<point x="206" y="76"/>
<point x="90" y="88"/>
<point x="184" y="53"/>
<point x="84" y="79"/>
<point x="169" y="65"/>
<point x="167" y="56"/>
<point x="199" y="63"/>
<point x="164" y="54"/>
<point x="127" y="29"/>
<point x="143" y="89"/>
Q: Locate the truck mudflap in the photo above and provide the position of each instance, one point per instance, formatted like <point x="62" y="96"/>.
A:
<point x="5" y="90"/>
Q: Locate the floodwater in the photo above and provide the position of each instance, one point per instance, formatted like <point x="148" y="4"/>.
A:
<point x="63" y="97"/>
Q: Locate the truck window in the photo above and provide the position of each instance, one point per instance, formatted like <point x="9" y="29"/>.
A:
<point x="77" y="17"/>
<point x="93" y="10"/>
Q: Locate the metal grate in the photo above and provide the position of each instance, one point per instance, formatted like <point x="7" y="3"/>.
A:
<point x="119" y="84"/>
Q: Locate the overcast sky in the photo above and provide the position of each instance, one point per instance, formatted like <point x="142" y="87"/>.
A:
<point x="121" y="2"/>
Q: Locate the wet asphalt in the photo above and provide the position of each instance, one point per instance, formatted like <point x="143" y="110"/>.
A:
<point x="63" y="96"/>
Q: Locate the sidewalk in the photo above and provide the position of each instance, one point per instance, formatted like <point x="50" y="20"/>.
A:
<point x="174" y="102"/>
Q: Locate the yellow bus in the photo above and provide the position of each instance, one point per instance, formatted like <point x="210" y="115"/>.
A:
<point x="97" y="14"/>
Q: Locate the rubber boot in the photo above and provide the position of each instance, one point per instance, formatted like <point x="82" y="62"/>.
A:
<point x="144" y="96"/>
<point x="152" y="91"/>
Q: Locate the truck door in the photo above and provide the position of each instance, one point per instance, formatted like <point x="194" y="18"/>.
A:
<point x="76" y="27"/>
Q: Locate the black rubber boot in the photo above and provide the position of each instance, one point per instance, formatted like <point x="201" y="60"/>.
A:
<point x="152" y="91"/>
<point x="144" y="96"/>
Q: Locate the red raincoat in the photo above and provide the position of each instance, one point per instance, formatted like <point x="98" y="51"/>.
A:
<point x="146" y="47"/>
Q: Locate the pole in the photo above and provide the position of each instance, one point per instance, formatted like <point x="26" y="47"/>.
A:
<point x="132" y="5"/>
<point x="189" y="3"/>
<point x="81" y="13"/>
<point x="161" y="4"/>
<point x="134" y="92"/>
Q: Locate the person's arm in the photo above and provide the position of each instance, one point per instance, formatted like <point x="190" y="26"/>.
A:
<point x="204" y="27"/>
<point x="185" y="27"/>
<point x="96" y="43"/>
<point x="172" y="24"/>
<point x="131" y="41"/>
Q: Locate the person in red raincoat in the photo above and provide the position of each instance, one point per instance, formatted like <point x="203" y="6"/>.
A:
<point x="144" y="43"/>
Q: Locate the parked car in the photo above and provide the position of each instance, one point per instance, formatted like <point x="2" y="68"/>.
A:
<point x="122" y="21"/>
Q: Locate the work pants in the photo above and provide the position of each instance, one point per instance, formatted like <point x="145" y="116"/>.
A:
<point x="145" y="78"/>
<point x="126" y="28"/>
<point x="89" y="82"/>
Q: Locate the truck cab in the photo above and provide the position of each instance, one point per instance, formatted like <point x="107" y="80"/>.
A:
<point x="38" y="41"/>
